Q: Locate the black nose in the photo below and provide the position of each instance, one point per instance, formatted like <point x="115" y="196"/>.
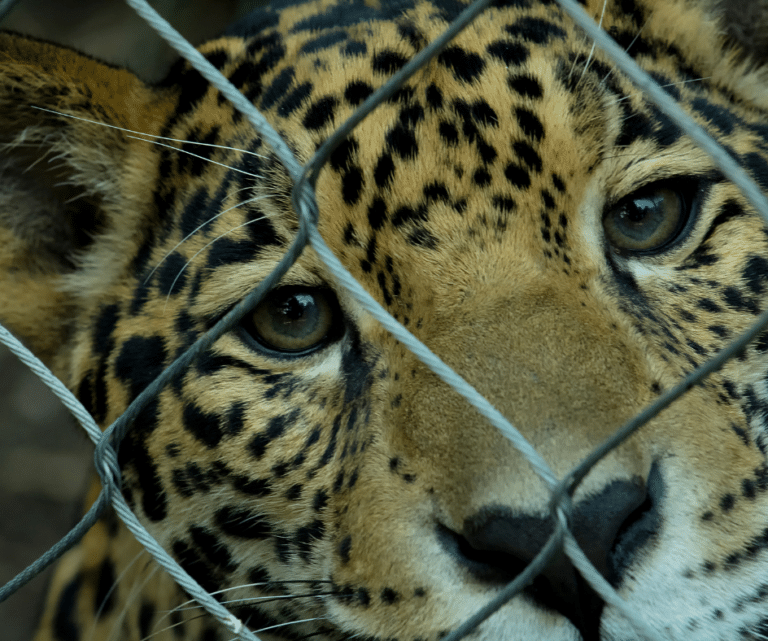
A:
<point x="497" y="544"/>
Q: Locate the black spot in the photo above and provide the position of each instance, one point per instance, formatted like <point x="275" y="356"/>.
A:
<point x="205" y="427"/>
<point x="715" y="114"/>
<point x="528" y="155"/>
<point x="344" y="548"/>
<point x="226" y="251"/>
<point x="320" y="500"/>
<point x="323" y="41"/>
<point x="377" y="213"/>
<point x="140" y="361"/>
<point x="357" y="91"/>
<point x="192" y="561"/>
<point x="294" y="492"/>
<point x="517" y="176"/>
<point x="466" y="66"/>
<point x="275" y="428"/>
<point x="526" y="86"/>
<point x="755" y="273"/>
<point x="434" y="97"/>
<point x="737" y="301"/>
<point x="449" y="133"/>
<point x="719" y="330"/>
<point x="259" y="575"/>
<point x="741" y="433"/>
<point x="294" y="99"/>
<point x="65" y="617"/>
<point x="481" y="177"/>
<point x="483" y="112"/>
<point x="529" y="123"/>
<point x="308" y="535"/>
<point x="352" y="185"/>
<point x="277" y="88"/>
<point x="320" y="113"/>
<point x="146" y="616"/>
<point x="242" y="523"/>
<point x="436" y="192"/>
<point x="384" y="170"/>
<point x="411" y="115"/>
<point x="194" y="157"/>
<point x="105" y="596"/>
<point x="389" y="596"/>
<point x="422" y="237"/>
<point x="339" y="482"/>
<point x="388" y="62"/>
<point x="363" y="597"/>
<point x="402" y="141"/>
<point x="708" y="305"/>
<point x="342" y="156"/>
<point x="510" y="53"/>
<point x="354" y="48"/>
<point x="535" y="30"/>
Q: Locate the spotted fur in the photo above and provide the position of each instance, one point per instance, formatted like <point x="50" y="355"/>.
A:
<point x="342" y="491"/>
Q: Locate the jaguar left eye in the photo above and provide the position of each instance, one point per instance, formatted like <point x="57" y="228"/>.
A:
<point x="295" y="320"/>
<point x="648" y="221"/>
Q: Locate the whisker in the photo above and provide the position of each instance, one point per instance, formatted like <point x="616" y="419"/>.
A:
<point x="592" y="50"/>
<point x="283" y="625"/>
<point x="141" y="133"/>
<point x="199" y="227"/>
<point x="133" y="595"/>
<point x="257" y="599"/>
<point x="198" y="252"/>
<point x="670" y="84"/>
<point x="189" y="153"/>
<point x="191" y="604"/>
<point x="629" y="46"/>
<point x="114" y="585"/>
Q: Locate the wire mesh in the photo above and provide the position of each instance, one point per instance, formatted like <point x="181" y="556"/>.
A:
<point x="303" y="198"/>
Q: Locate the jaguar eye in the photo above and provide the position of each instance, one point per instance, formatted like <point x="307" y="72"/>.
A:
<point x="646" y="221"/>
<point x="295" y="319"/>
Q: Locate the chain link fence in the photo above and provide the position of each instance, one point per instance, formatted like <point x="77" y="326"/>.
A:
<point x="303" y="199"/>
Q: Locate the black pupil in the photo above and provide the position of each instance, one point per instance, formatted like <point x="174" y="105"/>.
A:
<point x="295" y="306"/>
<point x="640" y="210"/>
<point x="296" y="314"/>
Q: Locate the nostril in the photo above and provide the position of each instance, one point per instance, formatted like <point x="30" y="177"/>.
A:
<point x="488" y="566"/>
<point x="637" y="529"/>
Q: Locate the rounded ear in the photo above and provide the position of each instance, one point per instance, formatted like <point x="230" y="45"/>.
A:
<point x="64" y="182"/>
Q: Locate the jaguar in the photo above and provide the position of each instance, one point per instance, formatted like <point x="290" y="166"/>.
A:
<point x="520" y="207"/>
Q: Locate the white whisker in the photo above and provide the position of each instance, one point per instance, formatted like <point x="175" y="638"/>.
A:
<point x="114" y="585"/>
<point x="141" y="133"/>
<point x="203" y="248"/>
<point x="133" y="595"/>
<point x="189" y="153"/>
<point x="198" y="228"/>
<point x="592" y="50"/>
<point x="282" y="625"/>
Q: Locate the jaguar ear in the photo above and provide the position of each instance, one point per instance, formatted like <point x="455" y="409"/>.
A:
<point x="65" y="183"/>
<point x="726" y="41"/>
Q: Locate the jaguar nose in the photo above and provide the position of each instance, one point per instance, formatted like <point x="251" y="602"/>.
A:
<point x="497" y="544"/>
